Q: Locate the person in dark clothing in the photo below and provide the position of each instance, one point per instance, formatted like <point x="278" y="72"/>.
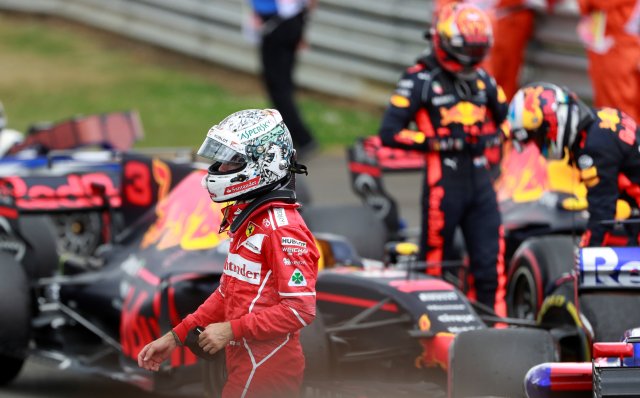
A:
<point x="458" y="110"/>
<point x="601" y="142"/>
<point x="282" y="25"/>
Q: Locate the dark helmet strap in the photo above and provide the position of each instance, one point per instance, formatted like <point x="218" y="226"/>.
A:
<point x="298" y="168"/>
<point x="284" y="195"/>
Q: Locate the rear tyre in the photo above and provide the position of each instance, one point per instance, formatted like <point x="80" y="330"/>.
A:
<point x="15" y="323"/>
<point x="359" y="225"/>
<point x="534" y="269"/>
<point x="494" y="362"/>
<point x="41" y="257"/>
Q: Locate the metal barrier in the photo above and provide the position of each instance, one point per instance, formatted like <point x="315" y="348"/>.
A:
<point x="357" y="48"/>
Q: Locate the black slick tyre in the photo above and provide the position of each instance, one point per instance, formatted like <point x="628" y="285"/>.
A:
<point x="534" y="269"/>
<point x="15" y="324"/>
<point x="494" y="362"/>
<point x="41" y="256"/>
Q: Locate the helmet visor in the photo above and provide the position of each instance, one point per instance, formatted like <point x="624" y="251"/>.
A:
<point x="466" y="54"/>
<point x="219" y="152"/>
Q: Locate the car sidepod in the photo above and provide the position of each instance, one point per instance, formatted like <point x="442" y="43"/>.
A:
<point x="389" y="324"/>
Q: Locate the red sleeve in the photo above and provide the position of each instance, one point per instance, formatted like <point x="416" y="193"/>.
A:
<point x="211" y="311"/>
<point x="588" y="6"/>
<point x="293" y="258"/>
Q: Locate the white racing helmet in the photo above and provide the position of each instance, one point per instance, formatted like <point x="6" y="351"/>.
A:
<point x="252" y="152"/>
<point x="8" y="137"/>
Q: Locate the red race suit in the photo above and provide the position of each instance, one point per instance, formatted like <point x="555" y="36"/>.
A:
<point x="268" y="294"/>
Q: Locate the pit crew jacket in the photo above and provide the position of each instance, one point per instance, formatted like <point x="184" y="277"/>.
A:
<point x="268" y="286"/>
<point x="606" y="152"/>
<point x="450" y="115"/>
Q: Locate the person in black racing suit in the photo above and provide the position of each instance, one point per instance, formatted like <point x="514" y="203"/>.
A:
<point x="602" y="142"/>
<point x="458" y="110"/>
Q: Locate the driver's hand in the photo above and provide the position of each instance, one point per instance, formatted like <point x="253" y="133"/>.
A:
<point x="215" y="337"/>
<point x="156" y="352"/>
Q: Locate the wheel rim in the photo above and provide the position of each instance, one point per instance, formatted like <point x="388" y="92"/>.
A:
<point x="78" y="233"/>
<point x="523" y="301"/>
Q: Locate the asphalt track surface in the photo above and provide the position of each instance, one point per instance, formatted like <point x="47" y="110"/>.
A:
<point x="329" y="185"/>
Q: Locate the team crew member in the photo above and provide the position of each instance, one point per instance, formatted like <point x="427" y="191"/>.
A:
<point x="282" y="24"/>
<point x="602" y="142"/>
<point x="267" y="291"/>
<point x="513" y="24"/>
<point x="610" y="30"/>
<point x="458" y="109"/>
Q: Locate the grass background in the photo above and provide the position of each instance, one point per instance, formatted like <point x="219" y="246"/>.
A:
<point x="52" y="70"/>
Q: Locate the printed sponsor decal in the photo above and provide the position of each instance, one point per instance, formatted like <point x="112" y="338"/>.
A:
<point x="294" y="250"/>
<point x="443" y="99"/>
<point x="240" y="268"/>
<point x="424" y="323"/>
<point x="254" y="243"/>
<point x="250" y="228"/>
<point x="266" y="223"/>
<point x="438" y="296"/>
<point x="437" y="88"/>
<point x="243" y="186"/>
<point x="609" y="267"/>
<point x="460" y="329"/>
<point x="280" y="217"/>
<point x="463" y="318"/>
<point x="297" y="279"/>
<point x="585" y="161"/>
<point x="258" y="129"/>
<point x="446" y="307"/>
<point x="464" y="112"/>
<point x="288" y="261"/>
<point x="405" y="83"/>
<point x="399" y="101"/>
<point x="288" y="241"/>
<point x="609" y="119"/>
<point x="71" y="191"/>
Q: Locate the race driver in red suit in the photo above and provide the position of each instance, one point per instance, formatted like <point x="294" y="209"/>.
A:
<point x="602" y="142"/>
<point x="267" y="292"/>
<point x="458" y="110"/>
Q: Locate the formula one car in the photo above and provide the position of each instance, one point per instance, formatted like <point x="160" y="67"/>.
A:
<point x="84" y="150"/>
<point x="613" y="372"/>
<point x="95" y="312"/>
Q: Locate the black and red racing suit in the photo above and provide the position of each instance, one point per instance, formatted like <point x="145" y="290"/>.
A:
<point x="458" y="128"/>
<point x="607" y="153"/>
<point x="267" y="292"/>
